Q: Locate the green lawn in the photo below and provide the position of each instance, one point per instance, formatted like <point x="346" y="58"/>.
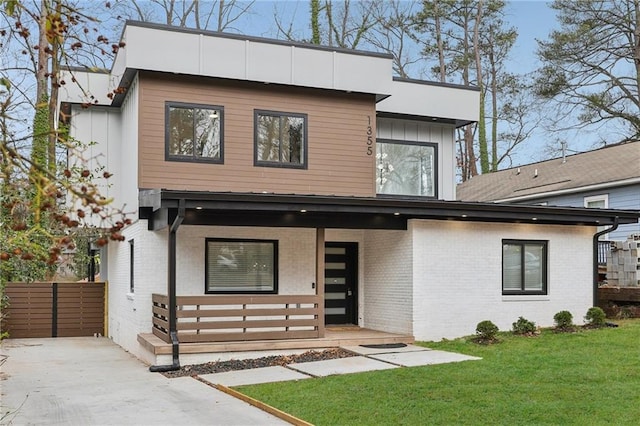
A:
<point x="586" y="378"/>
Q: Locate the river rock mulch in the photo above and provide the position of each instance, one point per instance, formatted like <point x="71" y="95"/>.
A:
<point x="268" y="361"/>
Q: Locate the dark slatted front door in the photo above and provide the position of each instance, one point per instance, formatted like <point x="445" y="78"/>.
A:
<point x="341" y="283"/>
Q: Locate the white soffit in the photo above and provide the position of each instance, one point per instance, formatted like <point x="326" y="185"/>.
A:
<point x="210" y="55"/>
<point x="432" y="100"/>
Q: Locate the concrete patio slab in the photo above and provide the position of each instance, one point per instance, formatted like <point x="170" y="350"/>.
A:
<point x="356" y="364"/>
<point x="414" y="359"/>
<point x="362" y="350"/>
<point x="254" y="376"/>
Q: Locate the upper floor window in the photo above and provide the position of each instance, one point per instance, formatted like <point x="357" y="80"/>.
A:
<point x="597" y="201"/>
<point x="194" y="132"/>
<point x="406" y="168"/>
<point x="241" y="266"/>
<point x="280" y="139"/>
<point x="524" y="267"/>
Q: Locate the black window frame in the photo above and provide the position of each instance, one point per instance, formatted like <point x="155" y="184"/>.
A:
<point x="132" y="287"/>
<point x="192" y="158"/>
<point x="545" y="267"/>
<point x="244" y="240"/>
<point x="436" y="180"/>
<point x="305" y="139"/>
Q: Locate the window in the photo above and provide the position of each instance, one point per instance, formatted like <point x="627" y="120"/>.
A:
<point x="131" y="270"/>
<point x="524" y="267"/>
<point x="597" y="201"/>
<point x="241" y="266"/>
<point x="194" y="133"/>
<point x="406" y="168"/>
<point x="280" y="139"/>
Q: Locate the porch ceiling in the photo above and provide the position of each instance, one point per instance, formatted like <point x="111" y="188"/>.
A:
<point x="310" y="211"/>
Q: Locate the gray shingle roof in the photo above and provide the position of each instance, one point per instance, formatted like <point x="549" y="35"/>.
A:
<point x="608" y="165"/>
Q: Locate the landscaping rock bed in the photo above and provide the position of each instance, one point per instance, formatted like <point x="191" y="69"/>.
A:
<point x="269" y="361"/>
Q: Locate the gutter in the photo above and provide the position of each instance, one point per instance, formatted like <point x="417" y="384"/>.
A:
<point x="595" y="258"/>
<point x="173" y="330"/>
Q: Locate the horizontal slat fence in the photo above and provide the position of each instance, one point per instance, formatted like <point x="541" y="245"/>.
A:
<point x="239" y="318"/>
<point x="45" y="309"/>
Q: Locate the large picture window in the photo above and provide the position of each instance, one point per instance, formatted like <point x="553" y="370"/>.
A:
<point x="406" y="168"/>
<point x="194" y="132"/>
<point x="524" y="267"/>
<point x="241" y="266"/>
<point x="280" y="139"/>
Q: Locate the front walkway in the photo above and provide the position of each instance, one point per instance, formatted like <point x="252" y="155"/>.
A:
<point x="368" y="359"/>
<point x="92" y="381"/>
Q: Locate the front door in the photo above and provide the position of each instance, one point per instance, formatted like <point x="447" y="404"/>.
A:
<point x="341" y="283"/>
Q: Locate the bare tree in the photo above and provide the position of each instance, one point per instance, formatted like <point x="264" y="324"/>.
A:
<point x="218" y="15"/>
<point x="591" y="66"/>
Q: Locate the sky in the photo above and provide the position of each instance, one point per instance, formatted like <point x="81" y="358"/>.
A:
<point x="533" y="19"/>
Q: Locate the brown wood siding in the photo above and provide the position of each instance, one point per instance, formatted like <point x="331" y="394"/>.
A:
<point x="47" y="309"/>
<point x="337" y="162"/>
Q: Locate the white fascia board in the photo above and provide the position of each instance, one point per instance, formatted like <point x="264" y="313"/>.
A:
<point x="192" y="53"/>
<point x="432" y="100"/>
<point x="88" y="87"/>
<point x="586" y="188"/>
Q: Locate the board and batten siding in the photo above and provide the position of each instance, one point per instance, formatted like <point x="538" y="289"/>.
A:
<point x="337" y="162"/>
<point x="419" y="131"/>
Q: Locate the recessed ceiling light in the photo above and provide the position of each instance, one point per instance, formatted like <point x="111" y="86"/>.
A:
<point x="198" y="207"/>
<point x="303" y="211"/>
<point x="464" y="215"/>
<point x="396" y="214"/>
<point x="534" y="218"/>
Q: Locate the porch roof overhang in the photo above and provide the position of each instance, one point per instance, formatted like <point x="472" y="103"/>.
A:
<point x="160" y="207"/>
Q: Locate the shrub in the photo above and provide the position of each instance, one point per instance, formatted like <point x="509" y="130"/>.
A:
<point x="564" y="321"/>
<point x="486" y="330"/>
<point x="524" y="326"/>
<point x="595" y="317"/>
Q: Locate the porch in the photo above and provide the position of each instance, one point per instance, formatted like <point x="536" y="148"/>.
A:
<point x="215" y="324"/>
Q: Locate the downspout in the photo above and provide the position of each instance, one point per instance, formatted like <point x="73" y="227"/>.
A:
<point x="596" y="237"/>
<point x="173" y="329"/>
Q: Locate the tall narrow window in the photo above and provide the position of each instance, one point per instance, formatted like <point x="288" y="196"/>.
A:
<point x="241" y="266"/>
<point x="524" y="267"/>
<point x="194" y="132"/>
<point x="280" y="139"/>
<point x="131" y="267"/>
<point x="406" y="168"/>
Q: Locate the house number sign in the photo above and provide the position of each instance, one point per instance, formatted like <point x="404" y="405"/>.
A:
<point x="369" y="137"/>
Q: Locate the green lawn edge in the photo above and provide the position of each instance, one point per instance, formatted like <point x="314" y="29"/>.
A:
<point x="589" y="377"/>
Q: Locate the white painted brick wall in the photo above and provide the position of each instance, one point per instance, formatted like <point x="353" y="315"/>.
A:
<point x="458" y="278"/>
<point x="436" y="280"/>
<point x="130" y="314"/>
<point x="388" y="295"/>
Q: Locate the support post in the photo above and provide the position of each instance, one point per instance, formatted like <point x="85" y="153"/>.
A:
<point x="171" y="291"/>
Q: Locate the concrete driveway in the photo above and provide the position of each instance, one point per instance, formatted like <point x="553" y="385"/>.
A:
<point x="92" y="381"/>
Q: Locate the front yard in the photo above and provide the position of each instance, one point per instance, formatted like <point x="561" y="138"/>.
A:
<point x="588" y="377"/>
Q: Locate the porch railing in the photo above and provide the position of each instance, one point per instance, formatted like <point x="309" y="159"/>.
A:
<point x="604" y="250"/>
<point x="239" y="318"/>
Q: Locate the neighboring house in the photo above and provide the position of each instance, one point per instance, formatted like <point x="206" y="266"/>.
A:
<point x="282" y="187"/>
<point x="606" y="178"/>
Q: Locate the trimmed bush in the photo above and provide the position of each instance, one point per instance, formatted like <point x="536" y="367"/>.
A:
<point x="486" y="330"/>
<point x="524" y="327"/>
<point x="595" y="317"/>
<point x="564" y="321"/>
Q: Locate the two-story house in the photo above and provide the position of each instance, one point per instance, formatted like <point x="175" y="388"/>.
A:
<point x="283" y="188"/>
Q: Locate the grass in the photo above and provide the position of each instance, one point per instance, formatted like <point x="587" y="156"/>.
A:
<point x="586" y="378"/>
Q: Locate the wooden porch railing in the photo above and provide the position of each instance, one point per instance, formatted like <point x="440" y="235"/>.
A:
<point x="239" y="318"/>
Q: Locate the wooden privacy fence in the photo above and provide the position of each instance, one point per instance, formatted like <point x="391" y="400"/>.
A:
<point x="239" y="318"/>
<point x="45" y="309"/>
